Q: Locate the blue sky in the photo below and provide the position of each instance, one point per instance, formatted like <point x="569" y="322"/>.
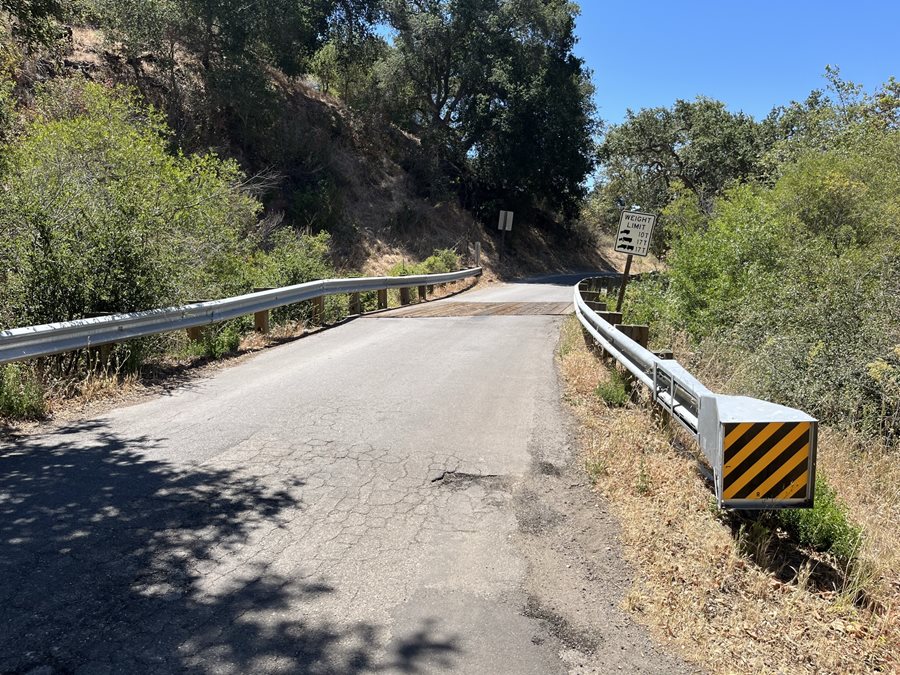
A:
<point x="751" y="55"/>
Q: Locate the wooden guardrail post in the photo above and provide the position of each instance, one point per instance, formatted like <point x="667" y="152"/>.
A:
<point x="382" y="299"/>
<point x="318" y="310"/>
<point x="423" y="294"/>
<point x="261" y="318"/>
<point x="355" y="304"/>
<point x="638" y="333"/>
<point x="611" y="317"/>
<point x="591" y="299"/>
<point x="104" y="351"/>
<point x="195" y="333"/>
<point x="404" y="296"/>
<point x="641" y="335"/>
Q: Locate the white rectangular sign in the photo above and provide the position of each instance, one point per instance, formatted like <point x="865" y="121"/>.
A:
<point x="634" y="233"/>
<point x="506" y="218"/>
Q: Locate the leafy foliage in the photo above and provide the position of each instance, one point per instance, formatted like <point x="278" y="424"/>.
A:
<point x="218" y="340"/>
<point x="499" y="100"/>
<point x="21" y="394"/>
<point x="657" y="152"/>
<point x="441" y="261"/>
<point x="612" y="391"/>
<point x="826" y="527"/>
<point x="793" y="282"/>
<point x="97" y="217"/>
<point x="34" y="22"/>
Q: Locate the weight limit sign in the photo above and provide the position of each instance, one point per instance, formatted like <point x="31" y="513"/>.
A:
<point x="634" y="233"/>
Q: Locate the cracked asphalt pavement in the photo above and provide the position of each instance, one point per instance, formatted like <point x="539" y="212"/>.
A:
<point x="393" y="495"/>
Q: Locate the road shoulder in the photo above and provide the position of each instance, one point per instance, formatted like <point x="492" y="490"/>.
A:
<point x="577" y="576"/>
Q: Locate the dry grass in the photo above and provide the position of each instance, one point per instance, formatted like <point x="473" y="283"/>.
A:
<point x="699" y="583"/>
<point x="89" y="390"/>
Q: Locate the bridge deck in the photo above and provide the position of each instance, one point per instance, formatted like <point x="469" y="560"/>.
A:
<point x="451" y="309"/>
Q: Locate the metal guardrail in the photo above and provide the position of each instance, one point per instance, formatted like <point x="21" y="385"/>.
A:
<point x="54" y="338"/>
<point x="763" y="455"/>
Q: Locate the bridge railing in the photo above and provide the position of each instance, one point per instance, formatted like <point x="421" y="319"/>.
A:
<point x="763" y="455"/>
<point x="55" y="338"/>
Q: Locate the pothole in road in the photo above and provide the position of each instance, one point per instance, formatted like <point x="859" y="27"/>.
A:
<point x="462" y="480"/>
<point x="561" y="629"/>
<point x="548" y="469"/>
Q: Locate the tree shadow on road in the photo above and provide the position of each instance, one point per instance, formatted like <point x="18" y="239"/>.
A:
<point x="113" y="562"/>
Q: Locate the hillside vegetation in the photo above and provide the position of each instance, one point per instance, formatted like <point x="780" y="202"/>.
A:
<point x="780" y="240"/>
<point x="162" y="151"/>
<point x="783" y="262"/>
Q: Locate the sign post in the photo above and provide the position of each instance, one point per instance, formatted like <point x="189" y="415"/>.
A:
<point x="506" y="221"/>
<point x="633" y="238"/>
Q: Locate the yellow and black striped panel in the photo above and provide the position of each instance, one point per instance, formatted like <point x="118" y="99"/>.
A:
<point x="767" y="460"/>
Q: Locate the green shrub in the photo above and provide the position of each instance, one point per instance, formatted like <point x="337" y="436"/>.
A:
<point x="795" y="287"/>
<point x="295" y="258"/>
<point x="613" y="391"/>
<point x="21" y="393"/>
<point x="404" y="269"/>
<point x="219" y="340"/>
<point x="596" y="468"/>
<point x="440" y="262"/>
<point x="98" y="216"/>
<point x="337" y="307"/>
<point x="648" y="303"/>
<point x="826" y="527"/>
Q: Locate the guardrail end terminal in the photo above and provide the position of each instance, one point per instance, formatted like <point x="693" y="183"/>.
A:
<point x="762" y="454"/>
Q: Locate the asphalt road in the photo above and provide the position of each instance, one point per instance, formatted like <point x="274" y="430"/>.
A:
<point x="391" y="495"/>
